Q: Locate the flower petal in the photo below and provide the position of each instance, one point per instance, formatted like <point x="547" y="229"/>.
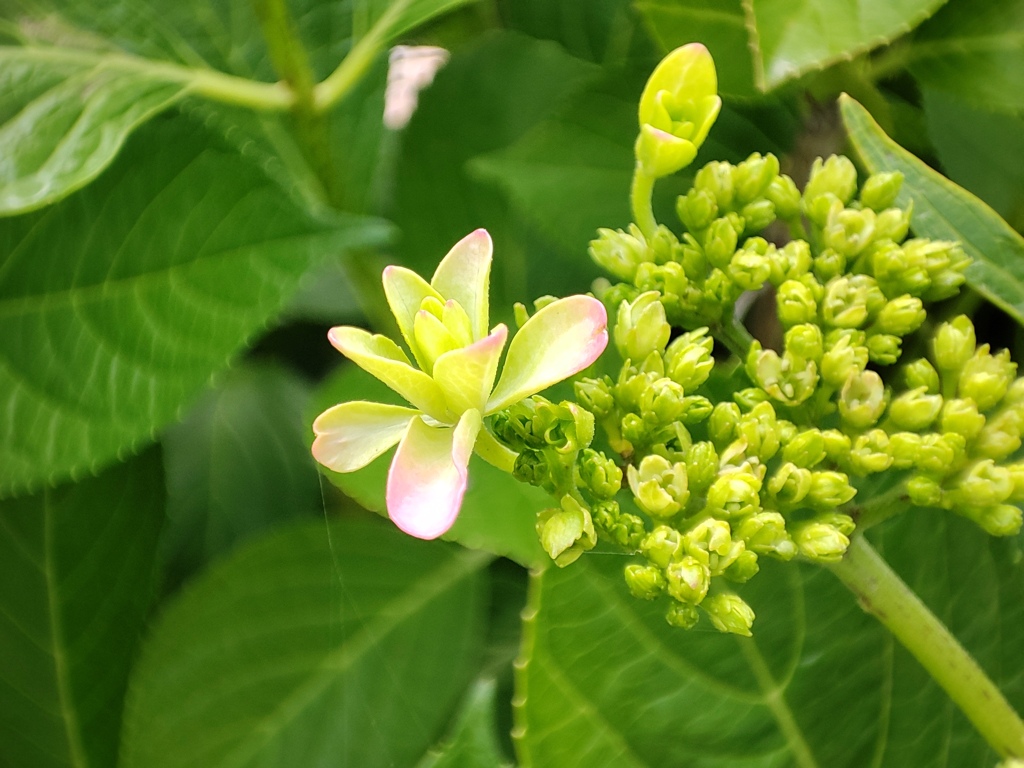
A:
<point x="464" y="275"/>
<point x="466" y="375"/>
<point x="405" y="291"/>
<point x="380" y="356"/>
<point x="561" y="339"/>
<point x="427" y="479"/>
<point x="351" y="435"/>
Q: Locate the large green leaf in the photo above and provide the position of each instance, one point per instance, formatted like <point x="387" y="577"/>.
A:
<point x="498" y="512"/>
<point x="236" y="465"/>
<point x="975" y="50"/>
<point x="973" y="146"/>
<point x="942" y="210"/>
<point x="61" y="123"/>
<point x="340" y="644"/>
<point x="718" y="24"/>
<point x="76" y="577"/>
<point x="606" y="681"/>
<point x="472" y="742"/>
<point x="121" y="301"/>
<point x="791" y="38"/>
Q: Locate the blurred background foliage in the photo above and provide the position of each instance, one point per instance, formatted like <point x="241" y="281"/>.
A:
<point x="186" y="212"/>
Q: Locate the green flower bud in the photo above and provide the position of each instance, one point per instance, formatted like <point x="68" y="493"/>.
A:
<point x="806" y="450"/>
<point x="829" y="490"/>
<point x="709" y="539"/>
<point x="645" y="582"/>
<point x="532" y="467"/>
<point x="701" y="466"/>
<point x="795" y="303"/>
<point x="719" y="292"/>
<point x="985" y="378"/>
<point x="784" y="195"/>
<point x="729" y="613"/>
<point x="633" y="429"/>
<point x="662" y="545"/>
<point x="1015" y="394"/>
<point x="620" y="253"/>
<point x="829" y="265"/>
<point x="836" y="175"/>
<point x="759" y="428"/>
<point x="791" y="262"/>
<point x="1000" y="520"/>
<point x="600" y="474"/>
<point x="849" y="231"/>
<point x="893" y="224"/>
<point x="659" y="486"/>
<point x="862" y="399"/>
<point x="716" y="178"/>
<point x="757" y="215"/>
<point x="765" y="534"/>
<point x="688" y="580"/>
<point x="921" y="373"/>
<point x="613" y="295"/>
<point x="520" y="314"/>
<point x="901" y="316"/>
<point x="880" y="190"/>
<point x="938" y="453"/>
<point x="743" y="568"/>
<point x="696" y="408"/>
<point x="749" y="270"/>
<point x="904" y="447"/>
<point x="1000" y="436"/>
<point x="820" y="542"/>
<point x="837" y="444"/>
<point x="1017" y="475"/>
<point x="790" y="483"/>
<point x="789" y="379"/>
<point x="947" y="273"/>
<point x="697" y="209"/>
<point x="983" y="484"/>
<point x="924" y="491"/>
<point x="688" y="360"/>
<point x="720" y="240"/>
<point x="566" y="532"/>
<point x="914" y="410"/>
<point x="961" y="416"/>
<point x="805" y="341"/>
<point x="954" y="344"/>
<point x="682" y="615"/>
<point x="884" y="348"/>
<point x="850" y="301"/>
<point x="617" y="526"/>
<point x="838" y="520"/>
<point x="662" y="402"/>
<point x="725" y="417"/>
<point x="900" y="270"/>
<point x="595" y="395"/>
<point x="820" y="208"/>
<point x="734" y="494"/>
<point x="641" y="327"/>
<point x="752" y="177"/>
<point x="750" y="397"/>
<point x="870" y="453"/>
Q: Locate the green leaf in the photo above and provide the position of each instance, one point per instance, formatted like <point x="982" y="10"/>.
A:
<point x="62" y="123"/>
<point x="498" y="512"/>
<point x="973" y="146"/>
<point x="344" y="644"/>
<point x="944" y="211"/>
<point x="121" y="301"/>
<point x="604" y="677"/>
<point x="790" y="38"/>
<point x="718" y="24"/>
<point x="973" y="50"/>
<point x="472" y="742"/>
<point x="76" y="577"/>
<point x="237" y="465"/>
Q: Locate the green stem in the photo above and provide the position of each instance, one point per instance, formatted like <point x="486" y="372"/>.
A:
<point x="736" y="337"/>
<point x="359" y="59"/>
<point x="881" y="507"/>
<point x="885" y="596"/>
<point x="640" y="200"/>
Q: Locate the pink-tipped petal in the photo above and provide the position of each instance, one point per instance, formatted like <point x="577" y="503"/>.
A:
<point x="464" y="275"/>
<point x="405" y="292"/>
<point x="351" y="435"/>
<point x="561" y="339"/>
<point x="466" y="375"/>
<point x="381" y="357"/>
<point x="427" y="479"/>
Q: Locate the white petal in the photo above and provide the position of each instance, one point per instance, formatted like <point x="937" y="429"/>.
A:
<point x="464" y="275"/>
<point x="351" y="435"/>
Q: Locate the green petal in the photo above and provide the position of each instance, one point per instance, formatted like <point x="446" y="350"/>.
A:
<point x="405" y="291"/>
<point x="466" y="375"/>
<point x="688" y="73"/>
<point x="381" y="357"/>
<point x="464" y="275"/>
<point x="351" y="435"/>
<point x="561" y="339"/>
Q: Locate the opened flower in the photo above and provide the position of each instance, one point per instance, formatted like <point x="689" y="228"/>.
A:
<point x="444" y="324"/>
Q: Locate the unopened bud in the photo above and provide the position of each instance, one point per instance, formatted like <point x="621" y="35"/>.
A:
<point x="620" y="253"/>
<point x="985" y="378"/>
<point x="924" y="491"/>
<point x="961" y="416"/>
<point x="870" y="453"/>
<point x="765" y="533"/>
<point x="880" y="190"/>
<point x="595" y="395"/>
<point x="806" y="450"/>
<point x="914" y="410"/>
<point x="862" y="399"/>
<point x="716" y="178"/>
<point x="662" y="545"/>
<point x="901" y="316"/>
<point x="720" y="240"/>
<point x="723" y="422"/>
<point x="785" y="196"/>
<point x="659" y="486"/>
<point x="688" y="579"/>
<point x="600" y="474"/>
<point x="954" y="344"/>
<point x="1000" y="520"/>
<point x="829" y="490"/>
<point x="790" y="483"/>
<point x="752" y="177"/>
<point x="820" y="542"/>
<point x="729" y="613"/>
<point x="795" y="303"/>
<point x="983" y="484"/>
<point x="757" y="215"/>
<point x="645" y="582"/>
<point x="701" y="465"/>
<point x="921" y="373"/>
<point x="683" y="615"/>
<point x="829" y="265"/>
<point x="749" y="270"/>
<point x="791" y="262"/>
<point x="733" y="495"/>
<point x="849" y="231"/>
<point x="842" y="359"/>
<point x="566" y="532"/>
<point x="688" y="359"/>
<point x="697" y="209"/>
<point x="641" y="327"/>
<point x="836" y="175"/>
<point x="893" y="224"/>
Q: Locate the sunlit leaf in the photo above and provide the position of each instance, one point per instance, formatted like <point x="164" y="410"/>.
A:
<point x="76" y="577"/>
<point x="340" y="644"/>
<point x="944" y="211"/>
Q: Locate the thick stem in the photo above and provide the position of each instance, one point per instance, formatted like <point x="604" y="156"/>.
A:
<point x="736" y="337"/>
<point x="884" y="595"/>
<point x="640" y="200"/>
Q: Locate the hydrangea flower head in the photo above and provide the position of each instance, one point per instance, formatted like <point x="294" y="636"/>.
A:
<point x="445" y="325"/>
